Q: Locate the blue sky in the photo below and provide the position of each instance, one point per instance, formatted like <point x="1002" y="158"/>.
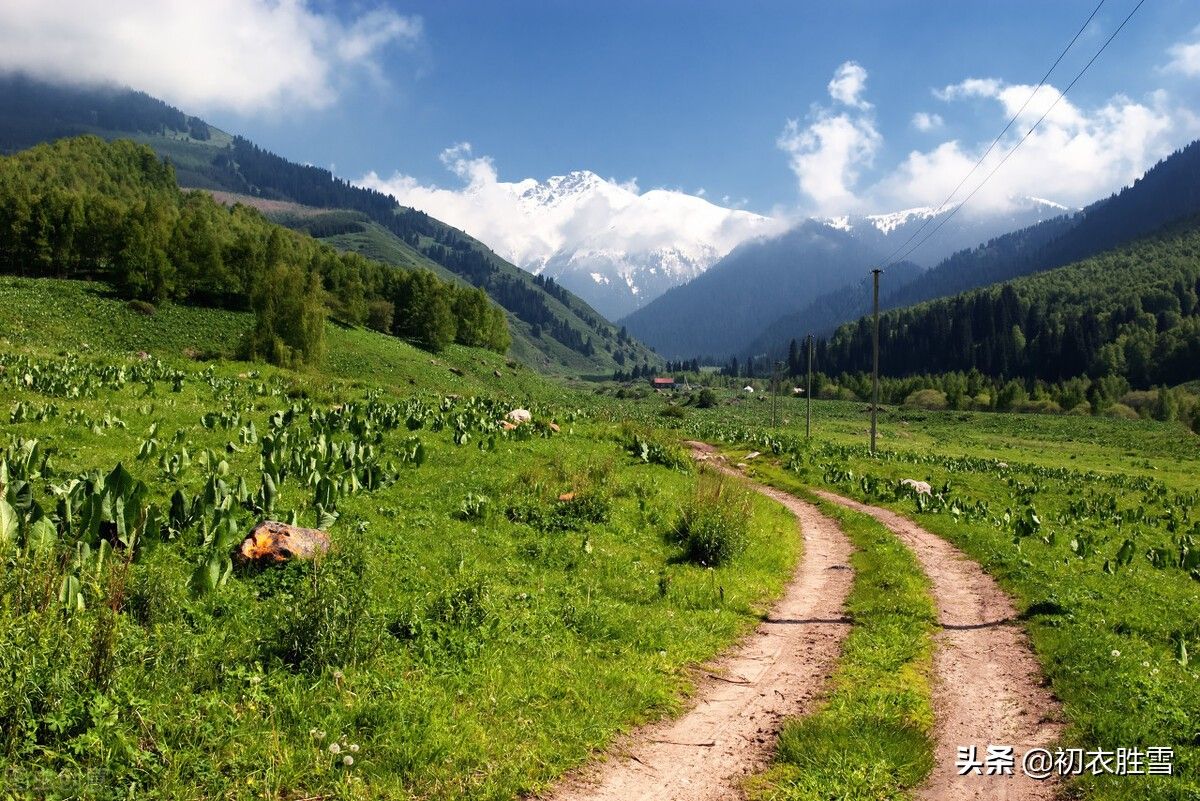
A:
<point x="695" y="95"/>
<point x="686" y="95"/>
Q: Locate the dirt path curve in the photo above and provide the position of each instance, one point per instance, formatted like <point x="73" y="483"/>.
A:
<point x="988" y="688"/>
<point x="742" y="698"/>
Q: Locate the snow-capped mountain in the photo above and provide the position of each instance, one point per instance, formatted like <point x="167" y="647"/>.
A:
<point x="618" y="248"/>
<point x="615" y="246"/>
<point x="967" y="228"/>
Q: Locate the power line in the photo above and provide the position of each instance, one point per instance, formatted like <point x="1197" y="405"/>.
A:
<point x="999" y="136"/>
<point x="1028" y="133"/>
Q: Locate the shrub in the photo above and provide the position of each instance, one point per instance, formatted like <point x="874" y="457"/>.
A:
<point x="929" y="399"/>
<point x="323" y="615"/>
<point x="674" y="412"/>
<point x="707" y="399"/>
<point x="380" y="314"/>
<point x="714" y="528"/>
<point x="1121" y="410"/>
<point x="142" y="307"/>
<point x="474" y="507"/>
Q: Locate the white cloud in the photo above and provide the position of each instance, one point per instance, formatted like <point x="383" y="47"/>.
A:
<point x="1185" y="58"/>
<point x="828" y="155"/>
<point x="1075" y="156"/>
<point x="848" y="84"/>
<point x="530" y="221"/>
<point x="237" y="54"/>
<point x="924" y="121"/>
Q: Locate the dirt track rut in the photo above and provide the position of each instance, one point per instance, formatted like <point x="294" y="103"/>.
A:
<point x="742" y="698"/>
<point x="988" y="688"/>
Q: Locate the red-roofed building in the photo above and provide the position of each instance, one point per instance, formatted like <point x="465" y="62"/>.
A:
<point x="662" y="383"/>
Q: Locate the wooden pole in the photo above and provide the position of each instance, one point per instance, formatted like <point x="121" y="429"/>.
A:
<point x="875" y="373"/>
<point x="808" y="393"/>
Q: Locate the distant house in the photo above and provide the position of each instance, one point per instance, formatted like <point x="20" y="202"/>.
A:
<point x="662" y="383"/>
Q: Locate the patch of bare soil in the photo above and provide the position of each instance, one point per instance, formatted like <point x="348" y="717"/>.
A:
<point x="743" y="698"/>
<point x="988" y="688"/>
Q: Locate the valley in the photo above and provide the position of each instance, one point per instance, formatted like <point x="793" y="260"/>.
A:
<point x="671" y="473"/>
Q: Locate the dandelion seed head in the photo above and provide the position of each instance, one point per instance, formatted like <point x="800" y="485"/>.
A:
<point x="347" y="760"/>
<point x="335" y="748"/>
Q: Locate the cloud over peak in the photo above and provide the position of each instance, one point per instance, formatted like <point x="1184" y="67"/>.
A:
<point x="1076" y="154"/>
<point x="238" y="54"/>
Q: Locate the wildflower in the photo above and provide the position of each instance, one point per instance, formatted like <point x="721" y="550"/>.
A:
<point x="335" y="748"/>
<point x="338" y="675"/>
<point x="347" y="760"/>
<point x="1145" y="664"/>
<point x="354" y="748"/>
<point x="1115" y="653"/>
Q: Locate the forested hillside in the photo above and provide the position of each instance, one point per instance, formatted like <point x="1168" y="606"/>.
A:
<point x="1132" y="312"/>
<point x="551" y="328"/>
<point x="1168" y="192"/>
<point x="111" y="211"/>
<point x="723" y="310"/>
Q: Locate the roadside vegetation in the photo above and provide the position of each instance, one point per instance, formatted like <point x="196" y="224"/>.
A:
<point x="497" y="605"/>
<point x="872" y="737"/>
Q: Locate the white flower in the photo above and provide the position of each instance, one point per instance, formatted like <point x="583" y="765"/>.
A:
<point x="335" y="748"/>
<point x="1115" y="653"/>
<point x="1145" y="664"/>
<point x="347" y="760"/>
<point x="354" y="748"/>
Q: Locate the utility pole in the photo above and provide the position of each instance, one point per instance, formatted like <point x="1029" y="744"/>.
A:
<point x="808" y="393"/>
<point x="775" y="382"/>
<point x="875" y="373"/>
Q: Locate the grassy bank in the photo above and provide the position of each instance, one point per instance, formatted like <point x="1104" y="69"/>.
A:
<point x="872" y="737"/>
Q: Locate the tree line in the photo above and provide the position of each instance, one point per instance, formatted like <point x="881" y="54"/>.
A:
<point x="89" y="209"/>
<point x="1131" y="313"/>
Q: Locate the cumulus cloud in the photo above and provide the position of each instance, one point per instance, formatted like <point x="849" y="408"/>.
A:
<point x="1074" y="157"/>
<point x="1185" y="58"/>
<point x="530" y="221"/>
<point x="828" y="154"/>
<point x="848" y="84"/>
<point x="924" y="121"/>
<point x="237" y="54"/>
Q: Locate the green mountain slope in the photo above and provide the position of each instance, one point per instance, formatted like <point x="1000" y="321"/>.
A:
<point x="552" y="329"/>
<point x="1132" y="312"/>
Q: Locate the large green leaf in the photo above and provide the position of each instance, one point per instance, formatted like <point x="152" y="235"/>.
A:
<point x="8" y="523"/>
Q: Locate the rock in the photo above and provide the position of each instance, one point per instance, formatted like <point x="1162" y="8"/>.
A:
<point x="497" y="373"/>
<point x="567" y="496"/>
<point x="143" y="355"/>
<point x="519" y="416"/>
<point x="457" y="371"/>
<point x="752" y="455"/>
<point x="554" y="427"/>
<point x="507" y="426"/>
<point x="920" y="487"/>
<point x="741" y="465"/>
<point x="271" y="542"/>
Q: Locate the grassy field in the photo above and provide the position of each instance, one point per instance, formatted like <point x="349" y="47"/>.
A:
<point x="1091" y="523"/>
<point x="471" y="635"/>
<point x="474" y="636"/>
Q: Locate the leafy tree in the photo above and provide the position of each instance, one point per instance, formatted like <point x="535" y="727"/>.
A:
<point x="289" y="318"/>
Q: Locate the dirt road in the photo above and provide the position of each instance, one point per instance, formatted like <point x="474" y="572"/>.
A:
<point x="988" y="688"/>
<point x="744" y="697"/>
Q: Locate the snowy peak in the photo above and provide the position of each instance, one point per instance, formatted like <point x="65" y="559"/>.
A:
<point x="966" y="228"/>
<point x="886" y="223"/>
